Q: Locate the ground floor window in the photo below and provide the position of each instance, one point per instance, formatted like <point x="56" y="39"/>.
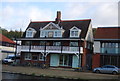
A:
<point x="27" y="56"/>
<point x="41" y="58"/>
<point x="65" y="60"/>
<point x="110" y="60"/>
<point x="35" y="57"/>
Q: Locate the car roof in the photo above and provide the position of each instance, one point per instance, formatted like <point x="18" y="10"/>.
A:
<point x="110" y="65"/>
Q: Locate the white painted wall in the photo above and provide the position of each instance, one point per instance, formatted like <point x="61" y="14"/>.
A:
<point x="89" y="36"/>
<point x="96" y="47"/>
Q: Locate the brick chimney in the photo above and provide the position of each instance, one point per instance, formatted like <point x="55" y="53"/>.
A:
<point x="58" y="19"/>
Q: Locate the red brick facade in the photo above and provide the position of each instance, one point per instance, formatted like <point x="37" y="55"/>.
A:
<point x="95" y="60"/>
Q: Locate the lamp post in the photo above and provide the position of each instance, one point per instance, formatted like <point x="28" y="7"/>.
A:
<point x="15" y="48"/>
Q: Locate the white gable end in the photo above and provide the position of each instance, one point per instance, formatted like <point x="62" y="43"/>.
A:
<point x="51" y="26"/>
<point x="89" y="36"/>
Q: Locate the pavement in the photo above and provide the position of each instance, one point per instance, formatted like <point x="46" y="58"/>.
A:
<point x="57" y="73"/>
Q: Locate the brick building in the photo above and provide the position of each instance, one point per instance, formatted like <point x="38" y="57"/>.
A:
<point x="59" y="43"/>
<point x="107" y="46"/>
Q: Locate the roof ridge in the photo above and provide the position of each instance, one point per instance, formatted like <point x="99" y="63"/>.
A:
<point x="40" y="21"/>
<point x="110" y="27"/>
<point x="61" y="21"/>
<point x="75" y="20"/>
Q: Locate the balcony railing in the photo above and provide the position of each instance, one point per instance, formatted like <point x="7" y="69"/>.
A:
<point x="54" y="49"/>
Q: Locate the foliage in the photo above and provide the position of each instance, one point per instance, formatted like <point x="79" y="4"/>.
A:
<point x="11" y="34"/>
<point x="94" y="31"/>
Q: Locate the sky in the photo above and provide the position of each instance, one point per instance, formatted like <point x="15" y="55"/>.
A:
<point x="17" y="14"/>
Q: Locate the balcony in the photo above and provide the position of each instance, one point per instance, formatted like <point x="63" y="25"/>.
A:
<point x="52" y="49"/>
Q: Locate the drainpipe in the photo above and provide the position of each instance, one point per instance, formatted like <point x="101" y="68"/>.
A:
<point x="79" y="56"/>
<point x="61" y="47"/>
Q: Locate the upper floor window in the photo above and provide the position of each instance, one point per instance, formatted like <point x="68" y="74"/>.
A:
<point x="50" y="34"/>
<point x="75" y="32"/>
<point x="30" y="32"/>
<point x="110" y="45"/>
<point x="51" y="30"/>
<point x="56" y="43"/>
<point x="73" y="44"/>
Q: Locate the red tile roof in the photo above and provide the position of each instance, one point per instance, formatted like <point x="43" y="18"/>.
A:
<point x="107" y="33"/>
<point x="5" y="39"/>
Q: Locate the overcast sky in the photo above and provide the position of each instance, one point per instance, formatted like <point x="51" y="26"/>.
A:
<point x="17" y="14"/>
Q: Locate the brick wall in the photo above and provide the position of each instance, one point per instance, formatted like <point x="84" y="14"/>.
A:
<point x="96" y="60"/>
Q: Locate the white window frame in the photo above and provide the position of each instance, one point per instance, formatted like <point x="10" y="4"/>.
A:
<point x="28" y="56"/>
<point x="75" y="32"/>
<point x="30" y="32"/>
<point x="57" y="33"/>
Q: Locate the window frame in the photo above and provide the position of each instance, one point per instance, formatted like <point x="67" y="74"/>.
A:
<point x="30" y="32"/>
<point x="41" y="57"/>
<point x="28" y="56"/>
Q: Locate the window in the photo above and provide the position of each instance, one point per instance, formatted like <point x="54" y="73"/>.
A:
<point x="74" y="33"/>
<point x="27" y="43"/>
<point x="30" y="32"/>
<point x="64" y="60"/>
<point x="73" y="44"/>
<point x="42" y="43"/>
<point x="27" y="56"/>
<point x="56" y="43"/>
<point x="110" y="45"/>
<point x="50" y="34"/>
<point x="118" y="45"/>
<point x="34" y="57"/>
<point x="55" y="33"/>
<point x="41" y="58"/>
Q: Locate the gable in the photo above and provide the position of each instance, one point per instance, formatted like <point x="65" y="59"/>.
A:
<point x="51" y="26"/>
<point x="74" y="28"/>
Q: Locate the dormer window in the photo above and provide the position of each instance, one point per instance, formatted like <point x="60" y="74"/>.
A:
<point x="75" y="32"/>
<point x="51" y="30"/>
<point x="30" y="32"/>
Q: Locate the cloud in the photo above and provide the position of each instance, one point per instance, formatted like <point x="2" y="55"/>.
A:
<point x="60" y="0"/>
<point x="102" y="14"/>
<point x="39" y="14"/>
<point x="19" y="17"/>
<point x="106" y="15"/>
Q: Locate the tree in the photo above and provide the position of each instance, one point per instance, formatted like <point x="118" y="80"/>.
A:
<point x="11" y="34"/>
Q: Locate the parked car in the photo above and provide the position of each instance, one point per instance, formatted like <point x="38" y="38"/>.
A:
<point x="107" y="69"/>
<point x="10" y="59"/>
